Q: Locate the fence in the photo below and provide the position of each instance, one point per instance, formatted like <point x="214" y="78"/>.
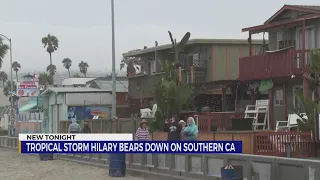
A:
<point x="124" y="125"/>
<point x="27" y="127"/>
<point x="195" y="166"/>
<point x="298" y="144"/>
<point x="222" y="120"/>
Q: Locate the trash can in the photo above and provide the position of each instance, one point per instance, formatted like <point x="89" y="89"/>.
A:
<point x="117" y="166"/>
<point x="234" y="172"/>
<point x="45" y="157"/>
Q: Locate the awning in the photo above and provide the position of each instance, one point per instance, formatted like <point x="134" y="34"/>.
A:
<point x="265" y="85"/>
<point x="28" y="106"/>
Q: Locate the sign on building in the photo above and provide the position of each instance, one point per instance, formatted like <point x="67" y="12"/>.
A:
<point x="28" y="89"/>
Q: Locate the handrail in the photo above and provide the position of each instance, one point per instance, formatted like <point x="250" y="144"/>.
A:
<point x="282" y="63"/>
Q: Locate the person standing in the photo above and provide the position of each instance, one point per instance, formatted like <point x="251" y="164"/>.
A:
<point x="142" y="133"/>
<point x="74" y="127"/>
<point x="86" y="128"/>
<point x="191" y="130"/>
<point x="182" y="123"/>
<point x="173" y="128"/>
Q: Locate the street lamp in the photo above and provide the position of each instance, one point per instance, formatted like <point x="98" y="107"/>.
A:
<point x="11" y="79"/>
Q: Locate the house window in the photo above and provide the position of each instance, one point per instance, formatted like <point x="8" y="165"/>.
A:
<point x="278" y="98"/>
<point x="138" y="84"/>
<point x="153" y="67"/>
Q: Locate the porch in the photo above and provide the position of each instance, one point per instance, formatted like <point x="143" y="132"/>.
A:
<point x="268" y="143"/>
<point x="285" y="63"/>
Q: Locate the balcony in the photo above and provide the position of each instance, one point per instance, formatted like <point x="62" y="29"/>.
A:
<point x="275" y="64"/>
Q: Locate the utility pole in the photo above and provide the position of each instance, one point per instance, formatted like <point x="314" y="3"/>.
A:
<point x="114" y="100"/>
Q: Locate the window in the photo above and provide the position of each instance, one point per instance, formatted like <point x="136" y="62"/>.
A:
<point x="278" y="98"/>
<point x="153" y="66"/>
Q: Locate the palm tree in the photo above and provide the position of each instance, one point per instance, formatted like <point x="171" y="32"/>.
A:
<point x="3" y="50"/>
<point x="28" y="77"/>
<point x="52" y="69"/>
<point x="51" y="43"/>
<point x="45" y="79"/>
<point x="7" y="87"/>
<point x="83" y="66"/>
<point x="76" y="75"/>
<point x="67" y="64"/>
<point x="3" y="77"/>
<point x="16" y="66"/>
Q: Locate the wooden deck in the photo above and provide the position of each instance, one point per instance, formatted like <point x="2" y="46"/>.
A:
<point x="267" y="143"/>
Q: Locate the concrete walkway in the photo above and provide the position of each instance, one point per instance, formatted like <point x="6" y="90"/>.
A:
<point x="14" y="166"/>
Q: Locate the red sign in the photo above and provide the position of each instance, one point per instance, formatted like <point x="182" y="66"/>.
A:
<point x="28" y="88"/>
<point x="28" y="85"/>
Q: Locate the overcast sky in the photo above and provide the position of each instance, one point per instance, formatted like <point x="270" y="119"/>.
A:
<point x="83" y="27"/>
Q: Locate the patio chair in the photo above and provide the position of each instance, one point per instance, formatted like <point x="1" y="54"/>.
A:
<point x="291" y="122"/>
<point x="148" y="113"/>
<point x="253" y="111"/>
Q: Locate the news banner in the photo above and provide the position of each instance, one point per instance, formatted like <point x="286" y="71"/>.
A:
<point x="117" y="143"/>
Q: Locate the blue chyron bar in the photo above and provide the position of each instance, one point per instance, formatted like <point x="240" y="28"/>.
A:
<point x="198" y="147"/>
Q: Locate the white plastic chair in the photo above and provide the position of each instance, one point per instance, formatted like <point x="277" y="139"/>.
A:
<point x="291" y="122"/>
<point x="154" y="110"/>
<point x="253" y="111"/>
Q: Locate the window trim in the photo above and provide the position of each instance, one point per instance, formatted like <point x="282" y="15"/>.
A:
<point x="275" y="98"/>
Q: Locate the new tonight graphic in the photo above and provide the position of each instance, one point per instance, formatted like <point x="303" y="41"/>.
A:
<point x="63" y="143"/>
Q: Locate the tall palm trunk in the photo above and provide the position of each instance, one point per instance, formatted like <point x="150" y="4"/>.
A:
<point x="85" y="74"/>
<point x="17" y="75"/>
<point x="69" y="72"/>
<point x="50" y="59"/>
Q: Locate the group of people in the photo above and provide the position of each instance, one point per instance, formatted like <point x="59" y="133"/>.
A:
<point x="177" y="131"/>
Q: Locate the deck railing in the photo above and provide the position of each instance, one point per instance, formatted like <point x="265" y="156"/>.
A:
<point x="268" y="143"/>
<point x="282" y="63"/>
<point x="222" y="120"/>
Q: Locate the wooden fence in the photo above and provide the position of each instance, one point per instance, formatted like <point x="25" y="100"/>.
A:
<point x="222" y="120"/>
<point x="125" y="125"/>
<point x="27" y="127"/>
<point x="262" y="143"/>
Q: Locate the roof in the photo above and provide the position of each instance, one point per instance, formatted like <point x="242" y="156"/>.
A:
<point x="190" y="42"/>
<point x="109" y="78"/>
<point x="121" y="86"/>
<point x="313" y="12"/>
<point x="75" y="81"/>
<point x="72" y="90"/>
<point x="28" y="106"/>
<point x="301" y="8"/>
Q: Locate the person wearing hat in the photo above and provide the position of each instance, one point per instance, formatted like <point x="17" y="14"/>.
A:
<point x="142" y="133"/>
<point x="183" y="125"/>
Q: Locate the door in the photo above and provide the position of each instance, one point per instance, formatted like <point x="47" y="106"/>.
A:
<point x="309" y="44"/>
<point x="296" y="101"/>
